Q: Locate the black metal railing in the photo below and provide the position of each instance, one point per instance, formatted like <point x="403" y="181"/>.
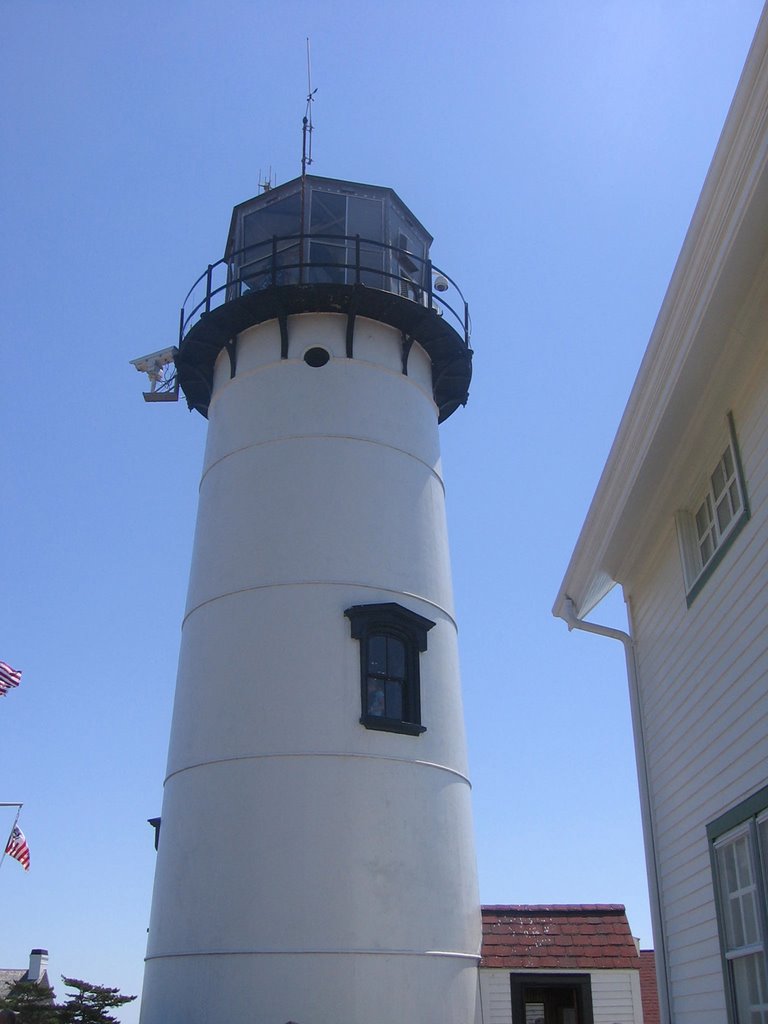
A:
<point x="326" y="259"/>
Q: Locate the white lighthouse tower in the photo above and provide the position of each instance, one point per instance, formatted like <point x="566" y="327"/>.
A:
<point x="316" y="860"/>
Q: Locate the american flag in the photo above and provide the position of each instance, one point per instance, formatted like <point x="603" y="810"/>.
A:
<point x="9" y="677"/>
<point x="17" y="847"/>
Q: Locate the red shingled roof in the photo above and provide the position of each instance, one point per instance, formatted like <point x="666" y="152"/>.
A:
<point x="582" y="936"/>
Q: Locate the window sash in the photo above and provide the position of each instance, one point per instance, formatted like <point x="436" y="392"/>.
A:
<point x="740" y="873"/>
<point x="718" y="512"/>
<point x="738" y="892"/>
<point x="706" y="531"/>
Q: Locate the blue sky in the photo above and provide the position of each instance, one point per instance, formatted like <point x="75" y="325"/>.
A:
<point x="555" y="150"/>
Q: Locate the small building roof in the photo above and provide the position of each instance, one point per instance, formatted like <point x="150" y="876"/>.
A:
<point x="585" y="936"/>
<point x="8" y="978"/>
<point x="37" y="971"/>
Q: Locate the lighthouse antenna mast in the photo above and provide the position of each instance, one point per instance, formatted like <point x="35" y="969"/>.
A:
<point x="307" y="126"/>
<point x="306" y="153"/>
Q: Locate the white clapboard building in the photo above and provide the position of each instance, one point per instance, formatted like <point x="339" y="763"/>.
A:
<point x="680" y="521"/>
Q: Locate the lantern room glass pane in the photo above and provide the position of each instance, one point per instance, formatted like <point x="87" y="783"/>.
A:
<point x="281" y="219"/>
<point x="365" y="217"/>
<point x="328" y="215"/>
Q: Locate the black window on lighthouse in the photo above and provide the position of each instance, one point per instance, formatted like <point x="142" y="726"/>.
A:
<point x="392" y="638"/>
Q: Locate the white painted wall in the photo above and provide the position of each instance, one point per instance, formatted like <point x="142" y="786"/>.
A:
<point x="495" y="995"/>
<point x="310" y="869"/>
<point x="616" y="997"/>
<point x="703" y="677"/>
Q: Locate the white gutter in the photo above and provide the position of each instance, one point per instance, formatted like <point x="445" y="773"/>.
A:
<point x="574" y="622"/>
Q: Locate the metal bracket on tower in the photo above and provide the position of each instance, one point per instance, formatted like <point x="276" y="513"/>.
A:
<point x="282" y="319"/>
<point x="351" y="314"/>
<point x="231" y="347"/>
<point x="406" y="351"/>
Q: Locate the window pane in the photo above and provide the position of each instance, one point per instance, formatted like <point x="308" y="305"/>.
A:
<point x="743" y="867"/>
<point x="376" y="703"/>
<point x="394" y="700"/>
<point x="750" y="989"/>
<point x="724" y="513"/>
<point x="707" y="549"/>
<point x="327" y="263"/>
<point x="728" y="855"/>
<point x="377" y="654"/>
<point x="718" y="479"/>
<point x="329" y="214"/>
<point x="365" y="218"/>
<point x="704" y="518"/>
<point x="762" y="831"/>
<point x="728" y="462"/>
<point x="395" y="658"/>
<point x="734" y="931"/>
<point x="386" y="677"/>
<point x="279" y="218"/>
<point x="733" y="490"/>
<point x="738" y="893"/>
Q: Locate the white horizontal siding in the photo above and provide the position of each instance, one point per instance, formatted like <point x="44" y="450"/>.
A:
<point x="616" y="997"/>
<point x="703" y="676"/>
<point x="495" y="996"/>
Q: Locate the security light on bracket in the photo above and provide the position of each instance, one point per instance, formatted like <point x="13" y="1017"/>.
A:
<point x="164" y="386"/>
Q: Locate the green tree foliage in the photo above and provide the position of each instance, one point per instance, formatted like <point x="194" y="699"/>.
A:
<point x="32" y="1003"/>
<point x="89" y="1004"/>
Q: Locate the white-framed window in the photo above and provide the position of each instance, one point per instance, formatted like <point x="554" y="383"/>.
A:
<point x="740" y="868"/>
<point x="707" y="528"/>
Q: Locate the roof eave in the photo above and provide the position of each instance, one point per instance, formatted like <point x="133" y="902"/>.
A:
<point x="724" y="240"/>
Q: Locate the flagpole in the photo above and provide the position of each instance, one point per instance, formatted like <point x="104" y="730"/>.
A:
<point x="13" y="826"/>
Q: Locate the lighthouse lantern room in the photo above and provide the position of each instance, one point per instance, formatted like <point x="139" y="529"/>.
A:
<point x="316" y="860"/>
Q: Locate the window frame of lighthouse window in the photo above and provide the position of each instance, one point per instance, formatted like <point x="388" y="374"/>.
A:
<point x="392" y="639"/>
<point x="738" y="845"/>
<point x="712" y="522"/>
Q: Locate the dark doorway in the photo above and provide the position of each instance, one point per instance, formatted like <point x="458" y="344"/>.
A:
<point x="551" y="999"/>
